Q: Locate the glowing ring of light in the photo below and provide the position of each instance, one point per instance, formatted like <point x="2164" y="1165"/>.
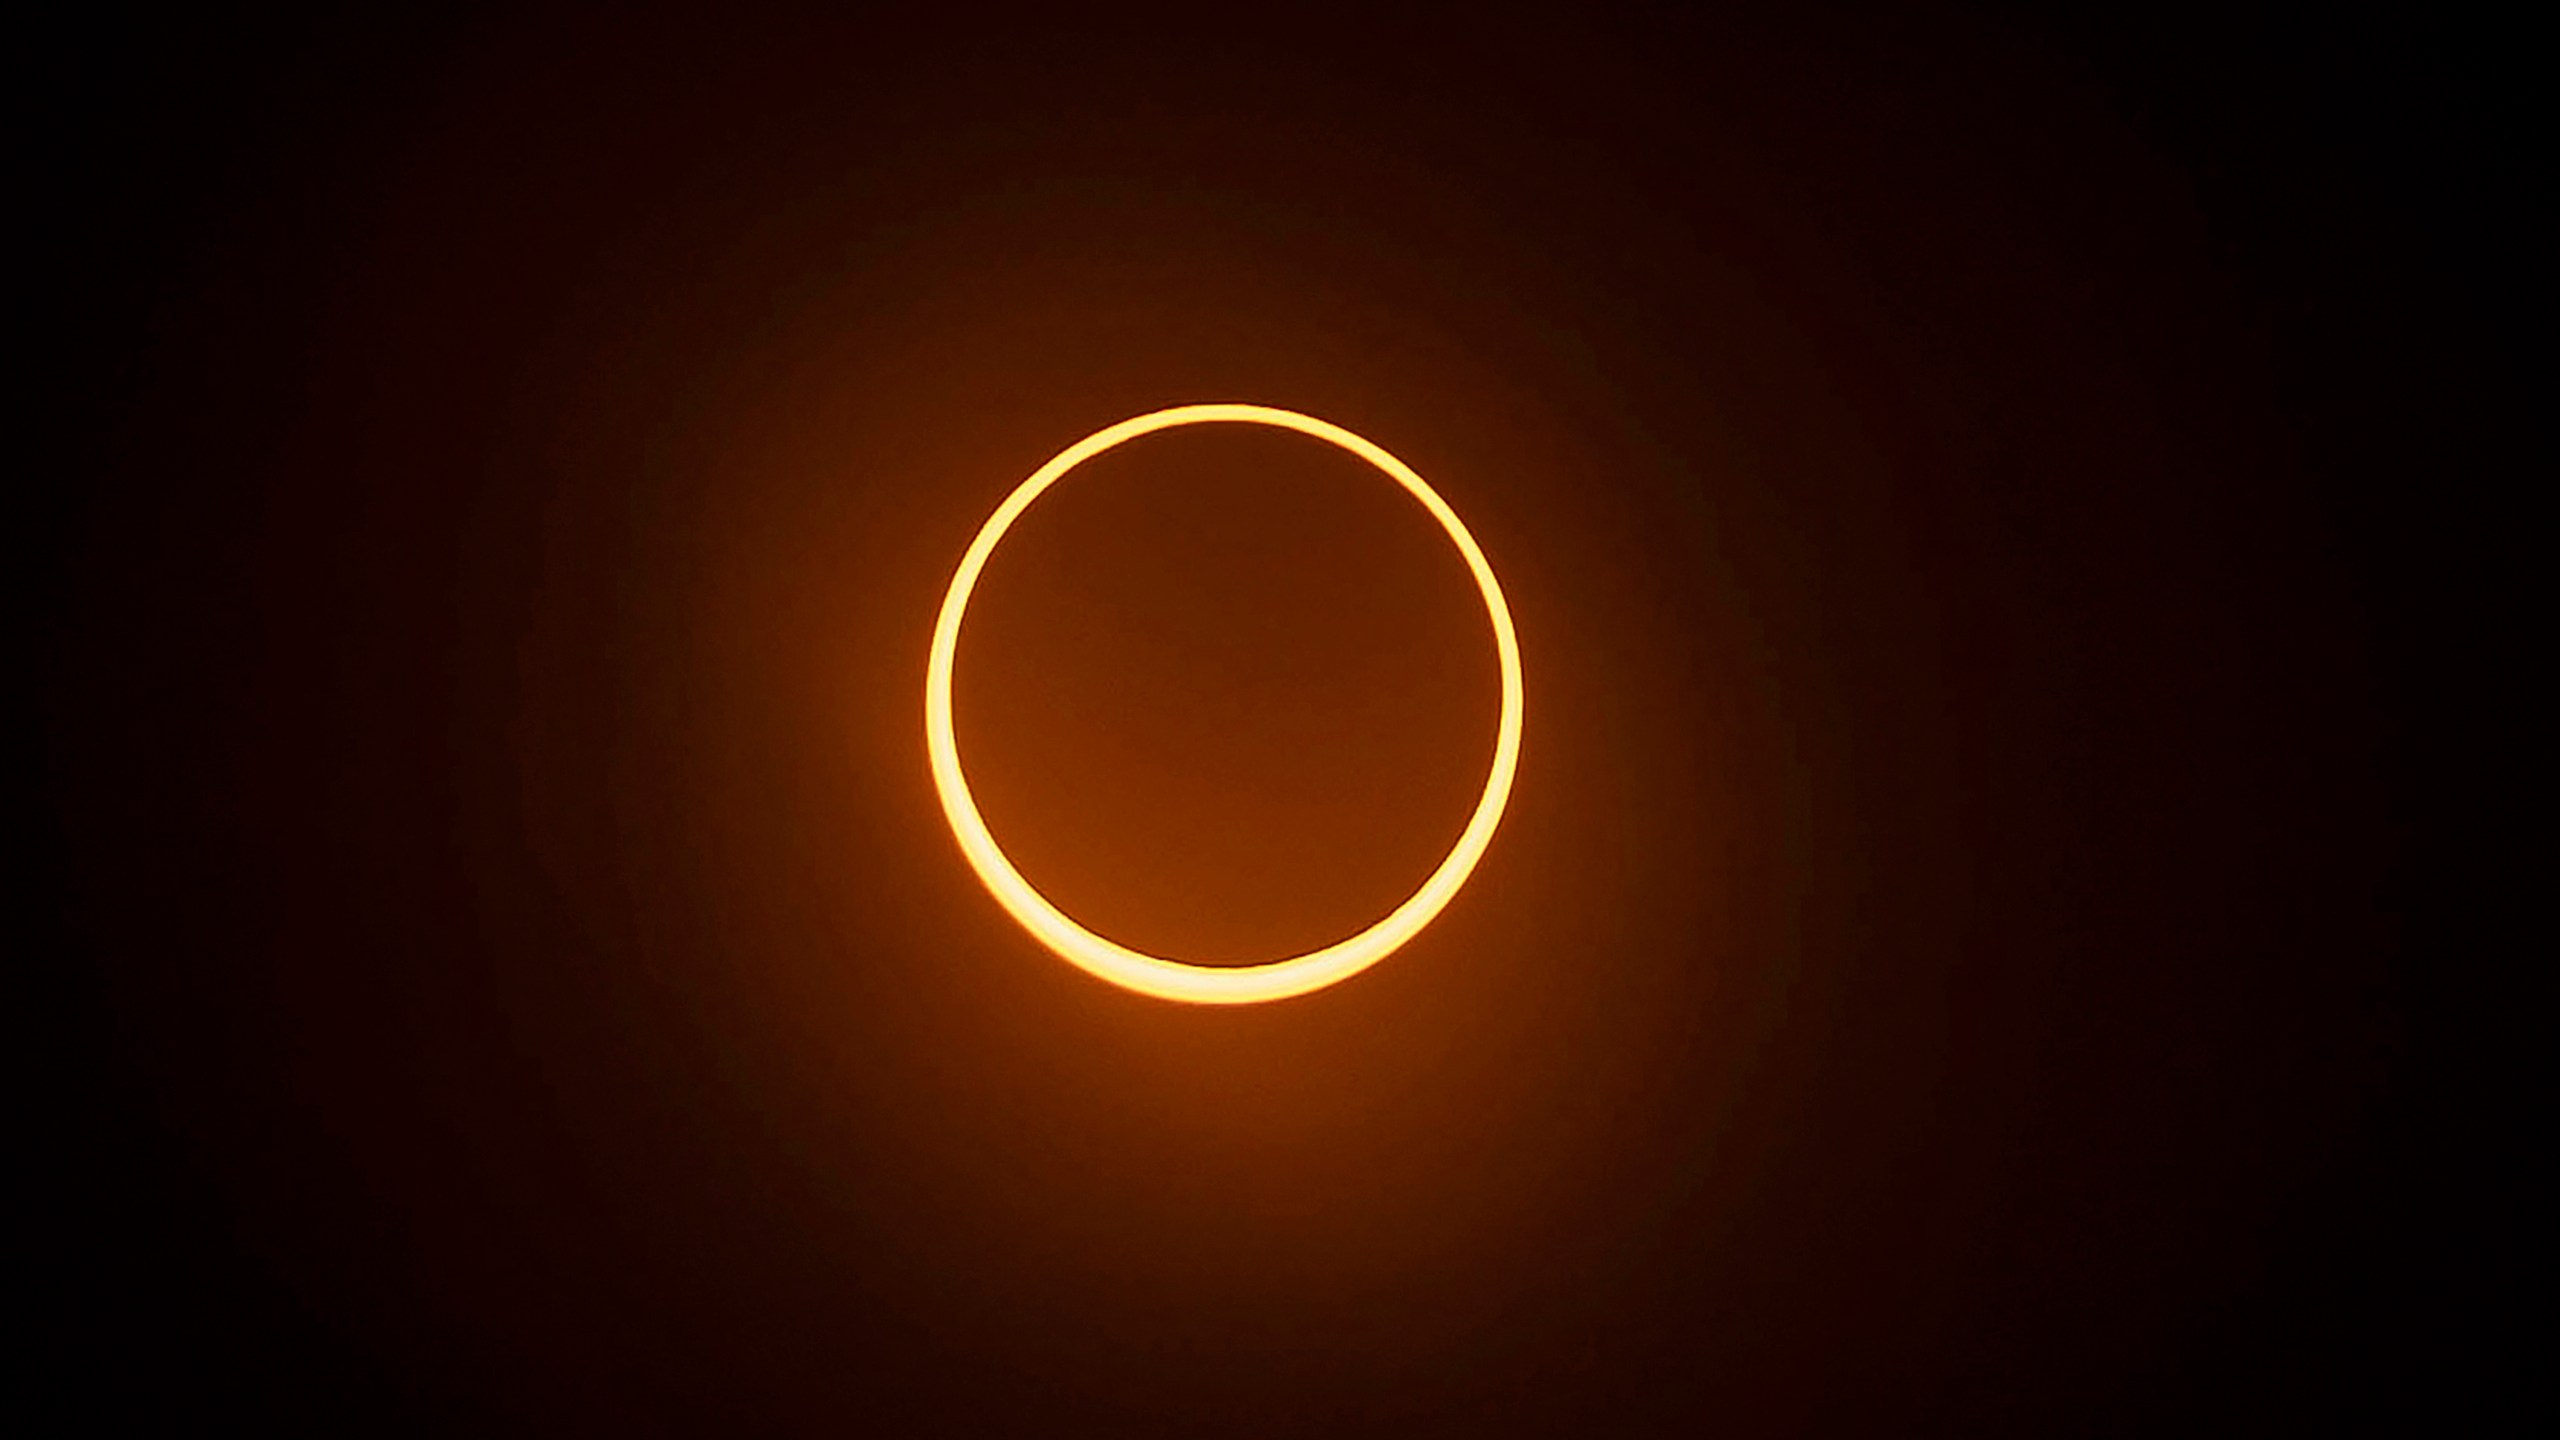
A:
<point x="1172" y="979"/>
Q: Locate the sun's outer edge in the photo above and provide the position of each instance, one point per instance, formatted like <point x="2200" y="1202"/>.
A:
<point x="1172" y="979"/>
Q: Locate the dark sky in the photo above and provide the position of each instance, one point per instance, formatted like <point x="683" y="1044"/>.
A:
<point x="1989" y="936"/>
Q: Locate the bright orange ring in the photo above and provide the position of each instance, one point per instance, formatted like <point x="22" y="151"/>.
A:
<point x="1171" y="979"/>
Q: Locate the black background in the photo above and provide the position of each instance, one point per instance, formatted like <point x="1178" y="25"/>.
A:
<point x="1991" y="936"/>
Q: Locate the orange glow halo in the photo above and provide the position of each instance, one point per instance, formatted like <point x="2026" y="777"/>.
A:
<point x="1171" y="979"/>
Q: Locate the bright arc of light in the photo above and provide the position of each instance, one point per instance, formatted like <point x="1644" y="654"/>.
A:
<point x="1172" y="979"/>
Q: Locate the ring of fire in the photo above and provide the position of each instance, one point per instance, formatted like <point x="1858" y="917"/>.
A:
<point x="1172" y="979"/>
